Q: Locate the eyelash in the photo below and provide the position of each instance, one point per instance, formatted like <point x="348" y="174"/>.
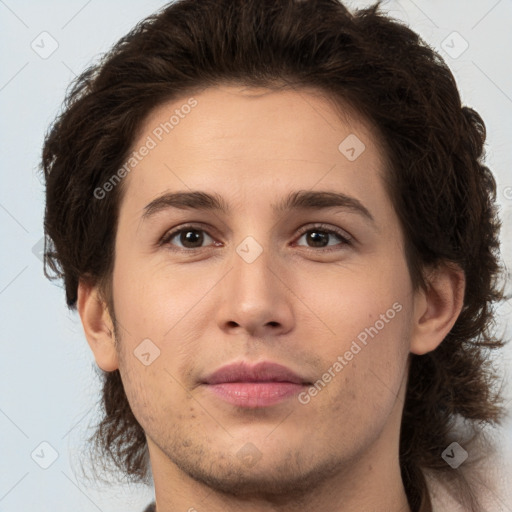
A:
<point x="345" y="239"/>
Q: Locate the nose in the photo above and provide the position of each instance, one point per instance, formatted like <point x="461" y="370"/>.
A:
<point x="255" y="296"/>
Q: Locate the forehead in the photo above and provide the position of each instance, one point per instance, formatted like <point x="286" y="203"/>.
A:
<point x="245" y="137"/>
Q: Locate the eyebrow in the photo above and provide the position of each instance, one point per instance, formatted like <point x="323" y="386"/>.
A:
<point x="298" y="200"/>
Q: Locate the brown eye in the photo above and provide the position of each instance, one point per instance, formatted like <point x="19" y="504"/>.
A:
<point x="319" y="237"/>
<point x="186" y="238"/>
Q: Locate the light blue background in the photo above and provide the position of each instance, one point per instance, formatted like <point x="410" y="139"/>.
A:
<point x="49" y="388"/>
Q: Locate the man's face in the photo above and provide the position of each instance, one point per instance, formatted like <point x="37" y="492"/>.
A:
<point x="255" y="284"/>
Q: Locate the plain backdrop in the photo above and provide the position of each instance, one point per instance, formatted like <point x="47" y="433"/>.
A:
<point x="49" y="388"/>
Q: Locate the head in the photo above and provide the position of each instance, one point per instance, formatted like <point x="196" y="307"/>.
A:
<point x="271" y="109"/>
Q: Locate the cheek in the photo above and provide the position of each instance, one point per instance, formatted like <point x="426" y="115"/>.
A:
<point x="151" y="302"/>
<point x="155" y="309"/>
<point x="345" y="303"/>
<point x="145" y="388"/>
<point x="365" y="368"/>
<point x="365" y="320"/>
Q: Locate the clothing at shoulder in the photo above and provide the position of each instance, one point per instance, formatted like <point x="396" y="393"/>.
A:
<point x="150" y="507"/>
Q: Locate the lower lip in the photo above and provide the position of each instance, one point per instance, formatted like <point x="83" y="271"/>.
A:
<point x="255" y="394"/>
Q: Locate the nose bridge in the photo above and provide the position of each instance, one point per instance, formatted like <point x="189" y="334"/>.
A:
<point x="252" y="296"/>
<point x="252" y="271"/>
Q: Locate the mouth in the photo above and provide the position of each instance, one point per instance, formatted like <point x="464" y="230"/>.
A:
<point x="254" y="386"/>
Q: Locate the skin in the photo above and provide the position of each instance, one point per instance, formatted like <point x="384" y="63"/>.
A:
<point x="296" y="304"/>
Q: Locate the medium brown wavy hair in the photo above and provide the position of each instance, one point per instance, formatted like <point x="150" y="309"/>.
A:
<point x="442" y="192"/>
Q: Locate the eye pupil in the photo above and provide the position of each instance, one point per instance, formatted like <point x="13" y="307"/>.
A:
<point x="191" y="236"/>
<point x="318" y="238"/>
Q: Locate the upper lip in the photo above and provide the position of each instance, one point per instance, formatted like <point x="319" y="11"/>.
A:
<point x="264" y="371"/>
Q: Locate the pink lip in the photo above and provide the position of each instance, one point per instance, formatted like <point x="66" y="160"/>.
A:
<point x="260" y="385"/>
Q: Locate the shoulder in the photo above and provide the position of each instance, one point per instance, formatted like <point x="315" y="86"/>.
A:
<point x="482" y="489"/>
